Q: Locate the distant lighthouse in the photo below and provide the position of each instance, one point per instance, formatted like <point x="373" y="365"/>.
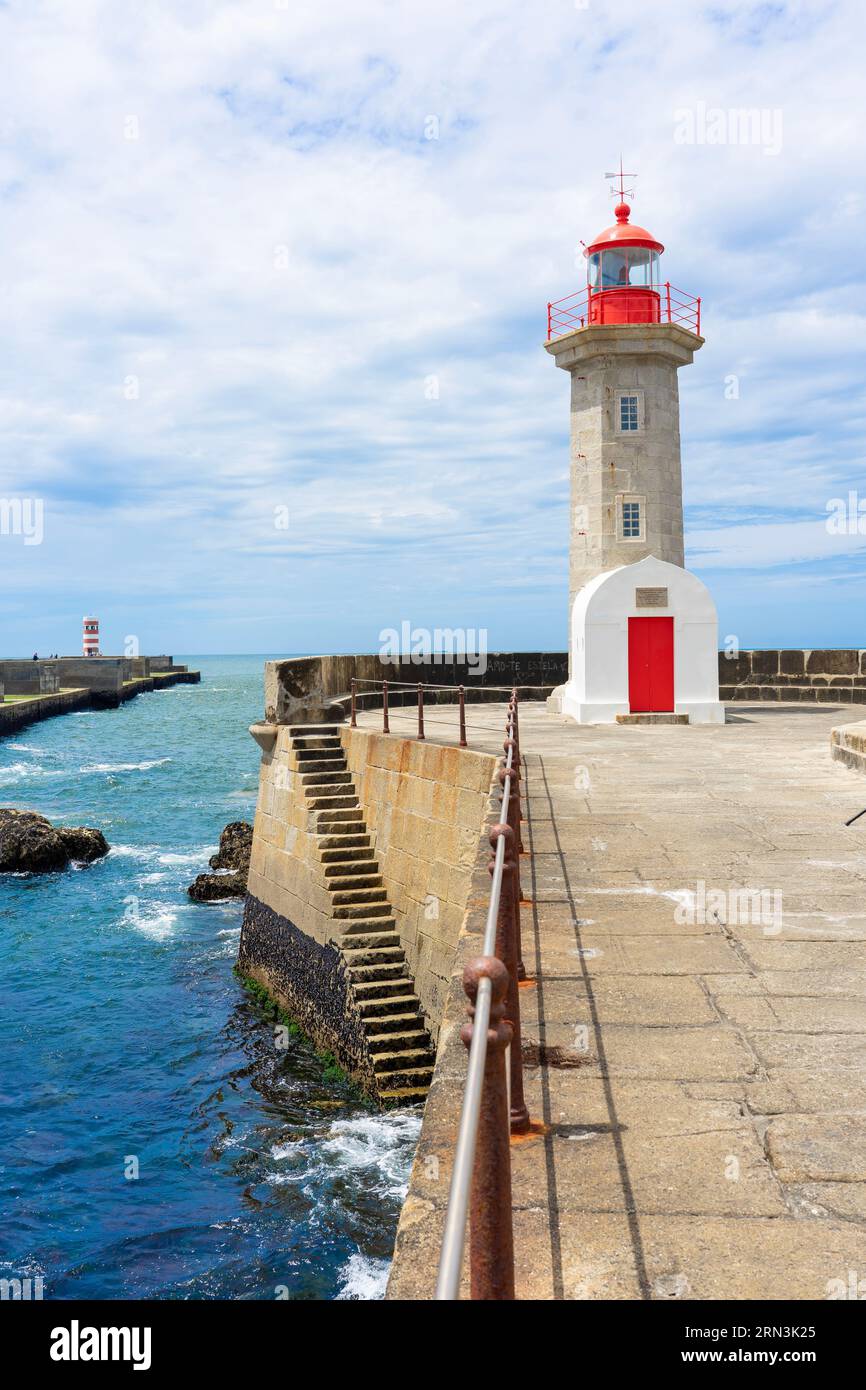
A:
<point x="643" y="632"/>
<point x="90" y="636"/>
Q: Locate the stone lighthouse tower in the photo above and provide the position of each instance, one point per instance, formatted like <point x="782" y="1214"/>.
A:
<point x="622" y="339"/>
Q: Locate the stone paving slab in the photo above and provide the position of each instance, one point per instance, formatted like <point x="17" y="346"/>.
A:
<point x="698" y="1084"/>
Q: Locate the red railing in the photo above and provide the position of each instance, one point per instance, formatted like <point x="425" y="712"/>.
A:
<point x="576" y="310"/>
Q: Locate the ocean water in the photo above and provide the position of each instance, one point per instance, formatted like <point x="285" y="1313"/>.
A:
<point x="127" y="1046"/>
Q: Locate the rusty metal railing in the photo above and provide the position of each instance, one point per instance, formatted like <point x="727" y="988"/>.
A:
<point x="383" y="692"/>
<point x="493" y="1104"/>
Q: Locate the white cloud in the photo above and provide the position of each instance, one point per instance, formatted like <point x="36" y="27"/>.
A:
<point x="281" y="259"/>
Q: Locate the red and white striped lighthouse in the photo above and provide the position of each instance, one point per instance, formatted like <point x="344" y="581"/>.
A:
<point x="90" y="636"/>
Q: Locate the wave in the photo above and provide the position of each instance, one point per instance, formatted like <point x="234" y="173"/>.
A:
<point x="155" y="920"/>
<point x="363" y="1277"/>
<point x="125" y="767"/>
<point x="382" y="1146"/>
<point x="141" y="852"/>
<point x="192" y="856"/>
<point x="19" y="772"/>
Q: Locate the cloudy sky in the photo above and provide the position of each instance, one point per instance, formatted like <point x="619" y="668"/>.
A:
<point x="273" y="284"/>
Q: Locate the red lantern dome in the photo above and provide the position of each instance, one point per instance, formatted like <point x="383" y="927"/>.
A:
<point x="623" y="273"/>
<point x="623" y="284"/>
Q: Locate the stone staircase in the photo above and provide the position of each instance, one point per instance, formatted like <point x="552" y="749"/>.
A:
<point x="398" y="1044"/>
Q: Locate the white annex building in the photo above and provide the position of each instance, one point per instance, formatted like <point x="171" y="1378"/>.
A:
<point x="643" y="638"/>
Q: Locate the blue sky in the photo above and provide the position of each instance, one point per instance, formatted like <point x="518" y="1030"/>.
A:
<point x="272" y="355"/>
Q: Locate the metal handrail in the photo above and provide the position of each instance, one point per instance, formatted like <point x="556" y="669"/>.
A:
<point x="493" y="1103"/>
<point x="454" y="1239"/>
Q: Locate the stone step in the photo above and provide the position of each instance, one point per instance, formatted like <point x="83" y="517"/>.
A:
<point x="315" y="757"/>
<point x="305" y="730"/>
<point x="381" y="1009"/>
<point x="366" y="893"/>
<point x="349" y="839"/>
<point x="341" y="854"/>
<point x="364" y="941"/>
<point x="358" y="925"/>
<point x="376" y="955"/>
<point x="352" y="879"/>
<point x="387" y="973"/>
<point x="397" y="1021"/>
<point x="414" y="1078"/>
<point x="405" y="1095"/>
<point x="316" y="741"/>
<point x="415" y="1039"/>
<point x="402" y="1061"/>
<point x="328" y="803"/>
<point x="385" y="991"/>
<point x="349" y="815"/>
<point x="340" y="777"/>
<point x="342" y="868"/>
<point x="382" y="909"/>
<point x="652" y="719"/>
<point x="338" y="827"/>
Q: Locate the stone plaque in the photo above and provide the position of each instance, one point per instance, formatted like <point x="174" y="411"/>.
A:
<point x="651" y="598"/>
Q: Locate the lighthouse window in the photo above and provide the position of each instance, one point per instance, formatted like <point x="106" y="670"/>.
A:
<point x="631" y="518"/>
<point x="628" y="413"/>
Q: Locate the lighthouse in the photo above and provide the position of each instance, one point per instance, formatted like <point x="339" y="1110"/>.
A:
<point x="643" y="637"/>
<point x="90" y="636"/>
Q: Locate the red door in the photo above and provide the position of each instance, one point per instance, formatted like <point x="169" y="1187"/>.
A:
<point x="651" y="665"/>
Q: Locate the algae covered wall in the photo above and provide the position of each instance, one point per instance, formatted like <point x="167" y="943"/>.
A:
<point x="425" y="806"/>
<point x="289" y="942"/>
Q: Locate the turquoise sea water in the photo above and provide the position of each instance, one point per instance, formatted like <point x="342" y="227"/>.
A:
<point x="125" y="1036"/>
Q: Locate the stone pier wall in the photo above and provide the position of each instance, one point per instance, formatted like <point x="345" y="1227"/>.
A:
<point x="316" y="688"/>
<point x="425" y="807"/>
<point x="816" y="676"/>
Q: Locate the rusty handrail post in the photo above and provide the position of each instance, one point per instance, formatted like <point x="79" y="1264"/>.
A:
<point x="354" y="723"/>
<point x="420" y="710"/>
<point x="386" y="727"/>
<point x="506" y="951"/>
<point x="462" y="698"/>
<point x="518" y="764"/>
<point x="491" y="1234"/>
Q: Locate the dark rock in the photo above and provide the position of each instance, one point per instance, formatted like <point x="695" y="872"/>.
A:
<point x="209" y="888"/>
<point x="29" y="843"/>
<point x="83" y="842"/>
<point x="236" y="844"/>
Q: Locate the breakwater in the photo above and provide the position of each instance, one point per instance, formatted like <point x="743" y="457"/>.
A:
<point x="31" y="691"/>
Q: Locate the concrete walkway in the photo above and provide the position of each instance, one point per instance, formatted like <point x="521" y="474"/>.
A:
<point x="696" y="1022"/>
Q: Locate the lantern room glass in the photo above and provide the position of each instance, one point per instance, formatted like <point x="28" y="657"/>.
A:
<point x="619" y="267"/>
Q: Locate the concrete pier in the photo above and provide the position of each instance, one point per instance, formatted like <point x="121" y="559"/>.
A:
<point x="34" y="690"/>
<point x="695" y="1021"/>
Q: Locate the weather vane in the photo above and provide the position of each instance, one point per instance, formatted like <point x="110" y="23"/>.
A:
<point x="622" y="192"/>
